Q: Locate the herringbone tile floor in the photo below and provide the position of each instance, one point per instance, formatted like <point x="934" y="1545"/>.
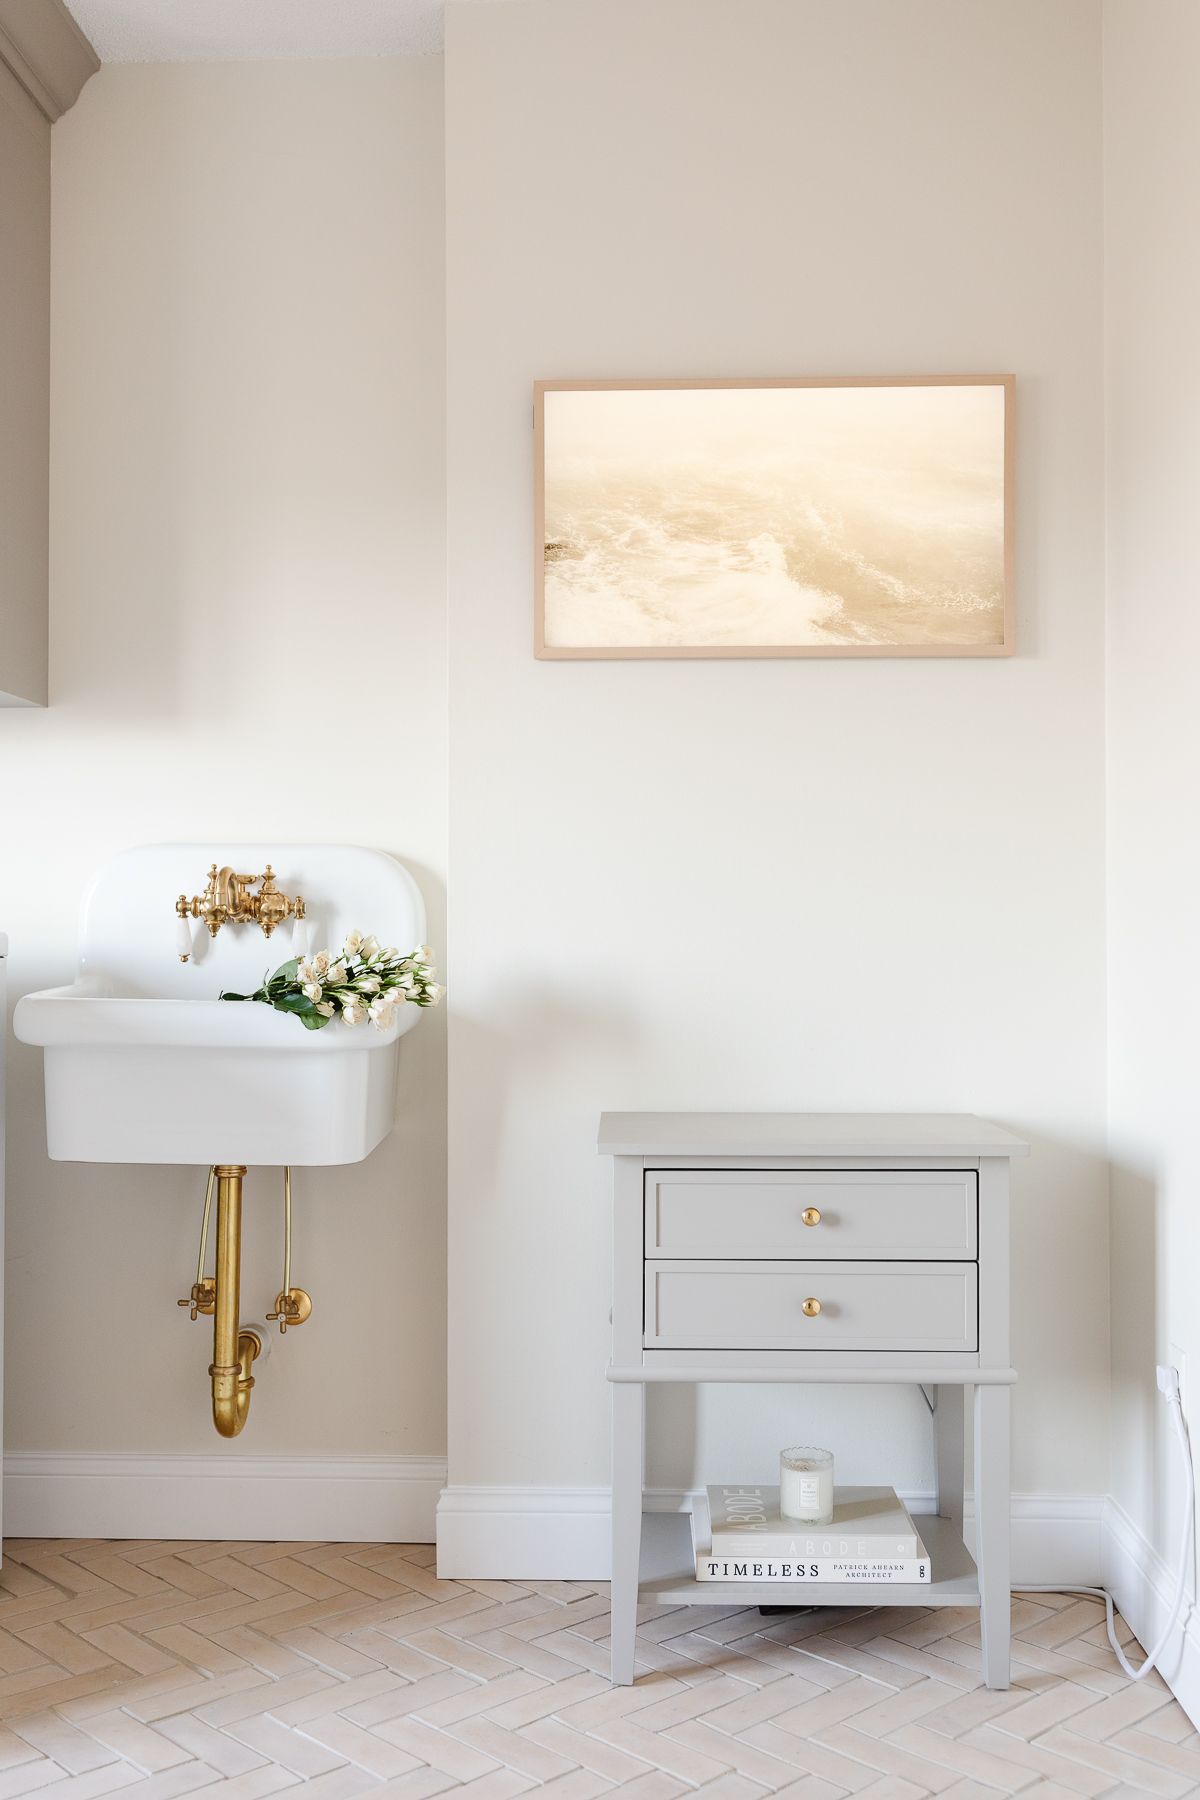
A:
<point x="166" y="1668"/>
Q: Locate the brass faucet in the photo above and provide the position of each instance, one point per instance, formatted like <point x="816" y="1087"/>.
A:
<point x="228" y="900"/>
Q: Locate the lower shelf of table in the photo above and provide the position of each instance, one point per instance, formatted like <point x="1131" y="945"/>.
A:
<point x="668" y="1574"/>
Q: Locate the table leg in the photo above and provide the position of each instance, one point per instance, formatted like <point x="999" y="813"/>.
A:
<point x="949" y="1438"/>
<point x="628" y="1439"/>
<point x="992" y="1530"/>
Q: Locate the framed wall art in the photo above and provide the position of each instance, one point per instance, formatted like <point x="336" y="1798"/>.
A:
<point x="823" y="516"/>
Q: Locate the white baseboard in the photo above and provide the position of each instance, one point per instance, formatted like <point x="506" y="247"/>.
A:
<point x="1143" y="1586"/>
<point x="562" y="1534"/>
<point x="547" y="1534"/>
<point x="383" y="1499"/>
<point x="1055" y="1537"/>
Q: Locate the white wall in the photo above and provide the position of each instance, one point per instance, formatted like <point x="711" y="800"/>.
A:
<point x="248" y="641"/>
<point x="778" y="884"/>
<point x="1152" y="146"/>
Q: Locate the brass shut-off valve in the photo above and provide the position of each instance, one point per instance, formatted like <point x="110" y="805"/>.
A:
<point x="292" y="1307"/>
<point x="203" y="1297"/>
<point x="292" y="1304"/>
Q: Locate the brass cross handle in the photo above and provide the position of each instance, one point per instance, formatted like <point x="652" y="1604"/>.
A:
<point x="203" y="1297"/>
<point x="292" y="1307"/>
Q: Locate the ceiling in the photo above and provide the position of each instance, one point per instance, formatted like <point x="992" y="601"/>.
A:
<point x="245" y="30"/>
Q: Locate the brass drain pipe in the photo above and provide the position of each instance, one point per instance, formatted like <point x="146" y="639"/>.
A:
<point x="234" y="1350"/>
<point x="237" y="1347"/>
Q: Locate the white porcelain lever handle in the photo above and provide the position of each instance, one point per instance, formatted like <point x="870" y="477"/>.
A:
<point x="183" y="939"/>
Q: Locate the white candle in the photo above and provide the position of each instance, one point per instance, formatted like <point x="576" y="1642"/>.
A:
<point x="806" y="1484"/>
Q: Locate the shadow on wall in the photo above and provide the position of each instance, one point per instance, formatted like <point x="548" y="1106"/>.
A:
<point x="1060" y="1325"/>
<point x="1138" y="1302"/>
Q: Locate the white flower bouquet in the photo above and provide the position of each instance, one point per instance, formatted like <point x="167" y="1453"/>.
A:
<point x="363" y="981"/>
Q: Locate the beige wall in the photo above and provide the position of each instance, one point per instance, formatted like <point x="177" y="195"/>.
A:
<point x="1152" y="144"/>
<point x="248" y="641"/>
<point x="898" y="865"/>
<point x="24" y="392"/>
<point x="907" y="857"/>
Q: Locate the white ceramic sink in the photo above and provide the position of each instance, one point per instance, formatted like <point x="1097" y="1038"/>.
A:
<point x="145" y="1064"/>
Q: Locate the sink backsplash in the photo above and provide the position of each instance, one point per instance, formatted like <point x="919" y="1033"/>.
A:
<point x="129" y="927"/>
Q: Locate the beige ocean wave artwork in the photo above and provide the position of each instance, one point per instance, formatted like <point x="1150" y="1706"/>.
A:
<point x="788" y="518"/>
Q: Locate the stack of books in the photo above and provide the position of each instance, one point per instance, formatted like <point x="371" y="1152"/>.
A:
<point x="741" y="1536"/>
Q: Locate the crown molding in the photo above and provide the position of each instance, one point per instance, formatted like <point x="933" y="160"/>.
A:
<point x="43" y="47"/>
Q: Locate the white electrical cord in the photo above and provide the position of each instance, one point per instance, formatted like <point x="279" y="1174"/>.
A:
<point x="1168" y="1384"/>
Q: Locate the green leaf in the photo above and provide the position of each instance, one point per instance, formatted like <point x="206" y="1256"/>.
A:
<point x="314" y="1020"/>
<point x="295" y="1003"/>
<point x="287" y="971"/>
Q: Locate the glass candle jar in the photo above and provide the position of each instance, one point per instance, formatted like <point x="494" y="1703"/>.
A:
<point x="806" y="1484"/>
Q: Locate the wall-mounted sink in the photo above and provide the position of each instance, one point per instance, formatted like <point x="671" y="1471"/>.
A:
<point x="145" y="1064"/>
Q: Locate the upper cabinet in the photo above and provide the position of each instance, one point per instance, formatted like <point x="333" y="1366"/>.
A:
<point x="44" y="61"/>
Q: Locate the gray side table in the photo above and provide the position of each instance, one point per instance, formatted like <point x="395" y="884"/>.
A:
<point x="808" y="1247"/>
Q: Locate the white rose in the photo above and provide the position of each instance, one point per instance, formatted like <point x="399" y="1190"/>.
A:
<point x="434" y="992"/>
<point x="335" y="974"/>
<point x="327" y="1008"/>
<point x="353" y="1012"/>
<point x="369" y="948"/>
<point x="321" y="961"/>
<point x="313" y="990"/>
<point x="369" y="985"/>
<point x="353" y="941"/>
<point x="306" y="973"/>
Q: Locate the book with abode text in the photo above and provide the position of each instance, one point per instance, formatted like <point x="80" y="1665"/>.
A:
<point x="868" y="1522"/>
<point x="740" y="1535"/>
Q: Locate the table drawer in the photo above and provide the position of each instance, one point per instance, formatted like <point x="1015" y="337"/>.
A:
<point x="760" y="1306"/>
<point x="926" y="1214"/>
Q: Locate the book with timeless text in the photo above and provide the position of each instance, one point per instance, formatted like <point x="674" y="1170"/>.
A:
<point x="745" y="1538"/>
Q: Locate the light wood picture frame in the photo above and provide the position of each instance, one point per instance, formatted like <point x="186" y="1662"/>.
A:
<point x="774" y="516"/>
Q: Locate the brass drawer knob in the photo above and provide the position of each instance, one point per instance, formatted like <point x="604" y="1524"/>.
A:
<point x="811" y="1215"/>
<point x="811" y="1308"/>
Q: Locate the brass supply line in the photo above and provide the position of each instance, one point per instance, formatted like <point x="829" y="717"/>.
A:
<point x="292" y="1305"/>
<point x="237" y="1347"/>
<point x="203" y="1297"/>
<point x="234" y="1350"/>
